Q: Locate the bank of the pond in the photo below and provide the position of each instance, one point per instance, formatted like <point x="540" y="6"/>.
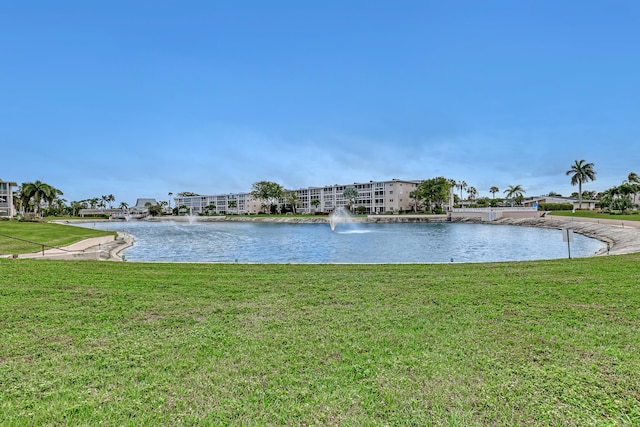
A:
<point x="622" y="237"/>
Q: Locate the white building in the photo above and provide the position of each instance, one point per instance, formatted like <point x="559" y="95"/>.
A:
<point x="142" y="206"/>
<point x="391" y="196"/>
<point x="536" y="201"/>
<point x="6" y="199"/>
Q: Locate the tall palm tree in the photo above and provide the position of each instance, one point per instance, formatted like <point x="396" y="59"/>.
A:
<point x="634" y="180"/>
<point x="515" y="192"/>
<point x="17" y="200"/>
<point x="472" y="192"/>
<point x="415" y="195"/>
<point x="461" y="185"/>
<point x="170" y="194"/>
<point x="52" y="195"/>
<point x="293" y="200"/>
<point x="493" y="190"/>
<point x="581" y="172"/>
<point x="107" y="199"/>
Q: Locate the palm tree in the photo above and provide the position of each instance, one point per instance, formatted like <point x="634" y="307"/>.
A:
<point x="52" y="196"/>
<point x="634" y="180"/>
<point x="461" y="185"/>
<point x="124" y="206"/>
<point x="37" y="191"/>
<point x="493" y="190"/>
<point x="170" y="194"/>
<point x="415" y="195"/>
<point x="107" y="199"/>
<point x="515" y="192"/>
<point x="76" y="206"/>
<point x="350" y="194"/>
<point x="472" y="192"/>
<point x="621" y="204"/>
<point x="232" y="205"/>
<point x="315" y="203"/>
<point x="59" y="204"/>
<point x="581" y="172"/>
<point x="293" y="200"/>
<point x="17" y="200"/>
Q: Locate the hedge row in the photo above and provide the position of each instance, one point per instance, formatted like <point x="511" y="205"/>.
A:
<point x="555" y="206"/>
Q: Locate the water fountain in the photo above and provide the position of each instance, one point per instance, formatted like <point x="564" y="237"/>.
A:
<point x="339" y="215"/>
<point x="192" y="218"/>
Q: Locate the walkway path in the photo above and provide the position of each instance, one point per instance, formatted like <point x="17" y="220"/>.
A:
<point x="98" y="248"/>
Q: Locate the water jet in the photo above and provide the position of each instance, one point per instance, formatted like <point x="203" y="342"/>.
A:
<point x="339" y="215"/>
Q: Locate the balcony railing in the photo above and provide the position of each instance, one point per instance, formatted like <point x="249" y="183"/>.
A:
<point x="503" y="209"/>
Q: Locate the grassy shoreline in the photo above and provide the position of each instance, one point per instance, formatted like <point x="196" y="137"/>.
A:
<point x="27" y="237"/>
<point x="524" y="343"/>
<point x="596" y="215"/>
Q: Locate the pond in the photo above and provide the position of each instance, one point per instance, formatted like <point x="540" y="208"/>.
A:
<point x="253" y="242"/>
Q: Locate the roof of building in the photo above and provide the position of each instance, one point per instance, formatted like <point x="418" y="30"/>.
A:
<point x="142" y="203"/>
<point x="559" y="198"/>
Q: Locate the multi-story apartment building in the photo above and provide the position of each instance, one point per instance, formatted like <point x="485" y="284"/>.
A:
<point x="375" y="197"/>
<point x="6" y="198"/>
<point x="233" y="203"/>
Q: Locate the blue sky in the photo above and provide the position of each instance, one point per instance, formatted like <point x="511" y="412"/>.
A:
<point x="139" y="98"/>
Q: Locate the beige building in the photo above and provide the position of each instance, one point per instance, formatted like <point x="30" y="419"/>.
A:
<point x="233" y="203"/>
<point x="6" y="199"/>
<point x="375" y="197"/>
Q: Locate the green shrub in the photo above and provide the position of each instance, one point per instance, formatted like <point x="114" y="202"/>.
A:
<point x="555" y="207"/>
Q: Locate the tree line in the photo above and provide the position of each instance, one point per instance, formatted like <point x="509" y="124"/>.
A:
<point x="431" y="195"/>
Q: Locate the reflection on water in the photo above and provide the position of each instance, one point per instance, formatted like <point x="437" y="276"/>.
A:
<point x="349" y="243"/>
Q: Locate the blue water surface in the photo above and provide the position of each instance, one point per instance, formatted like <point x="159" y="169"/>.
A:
<point x="253" y="242"/>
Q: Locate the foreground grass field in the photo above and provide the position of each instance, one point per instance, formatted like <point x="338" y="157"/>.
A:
<point x="526" y="343"/>
<point x="33" y="235"/>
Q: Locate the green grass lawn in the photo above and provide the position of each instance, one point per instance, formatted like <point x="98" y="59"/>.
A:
<point x="38" y="233"/>
<point x="590" y="214"/>
<point x="526" y="343"/>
